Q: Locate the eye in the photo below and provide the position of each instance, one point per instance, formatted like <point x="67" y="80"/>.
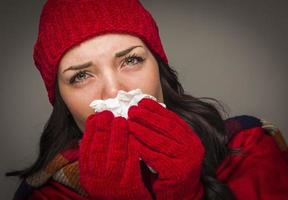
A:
<point x="133" y="60"/>
<point x="78" y="77"/>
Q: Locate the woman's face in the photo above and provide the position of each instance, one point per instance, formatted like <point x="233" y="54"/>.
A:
<point x="99" y="67"/>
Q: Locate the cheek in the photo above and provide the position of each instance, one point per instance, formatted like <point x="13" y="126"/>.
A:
<point x="149" y="82"/>
<point x="78" y="104"/>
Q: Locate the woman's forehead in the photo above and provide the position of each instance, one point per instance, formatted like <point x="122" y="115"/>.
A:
<point x="106" y="43"/>
<point x="103" y="45"/>
<point x="111" y="39"/>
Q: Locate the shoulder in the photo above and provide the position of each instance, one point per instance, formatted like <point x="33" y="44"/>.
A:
<point x="247" y="131"/>
<point x="253" y="140"/>
<point x="252" y="146"/>
<point x="259" y="169"/>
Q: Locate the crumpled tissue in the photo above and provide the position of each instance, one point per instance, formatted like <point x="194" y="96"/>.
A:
<point x="121" y="103"/>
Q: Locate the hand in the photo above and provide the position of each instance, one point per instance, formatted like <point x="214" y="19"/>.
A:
<point x="109" y="167"/>
<point x="168" y="144"/>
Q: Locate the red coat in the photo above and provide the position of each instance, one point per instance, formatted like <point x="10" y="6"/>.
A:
<point x="259" y="172"/>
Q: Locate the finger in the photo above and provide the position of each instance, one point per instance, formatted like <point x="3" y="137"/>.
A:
<point x="186" y="134"/>
<point x="159" y="162"/>
<point x="158" y="123"/>
<point x="85" y="143"/>
<point x="118" y="148"/>
<point x="147" y="102"/>
<point x="154" y="106"/>
<point x="154" y="140"/>
<point x="132" y="167"/>
<point x="100" y="142"/>
<point x="92" y="122"/>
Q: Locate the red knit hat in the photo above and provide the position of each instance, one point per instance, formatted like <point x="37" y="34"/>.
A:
<point x="66" y="23"/>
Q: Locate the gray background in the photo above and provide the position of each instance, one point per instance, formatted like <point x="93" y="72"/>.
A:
<point x="235" y="51"/>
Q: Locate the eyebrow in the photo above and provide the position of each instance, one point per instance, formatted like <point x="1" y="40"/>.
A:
<point x="124" y="52"/>
<point x="77" y="67"/>
<point x="88" y="64"/>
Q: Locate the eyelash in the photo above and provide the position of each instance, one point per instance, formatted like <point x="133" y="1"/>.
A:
<point x="84" y="72"/>
<point x="134" y="56"/>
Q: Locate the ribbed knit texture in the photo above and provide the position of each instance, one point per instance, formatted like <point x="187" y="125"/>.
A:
<point x="169" y="145"/>
<point x="66" y="23"/>
<point x="109" y="165"/>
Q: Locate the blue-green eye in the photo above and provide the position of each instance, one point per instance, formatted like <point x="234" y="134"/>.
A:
<point x="78" y="77"/>
<point x="133" y="59"/>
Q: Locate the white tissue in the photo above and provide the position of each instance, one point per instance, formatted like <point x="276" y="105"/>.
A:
<point x="121" y="103"/>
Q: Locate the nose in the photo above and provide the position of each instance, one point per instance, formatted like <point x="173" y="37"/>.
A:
<point x="112" y="83"/>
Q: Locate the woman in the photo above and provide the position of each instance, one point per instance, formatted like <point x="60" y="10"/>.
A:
<point x="91" y="49"/>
